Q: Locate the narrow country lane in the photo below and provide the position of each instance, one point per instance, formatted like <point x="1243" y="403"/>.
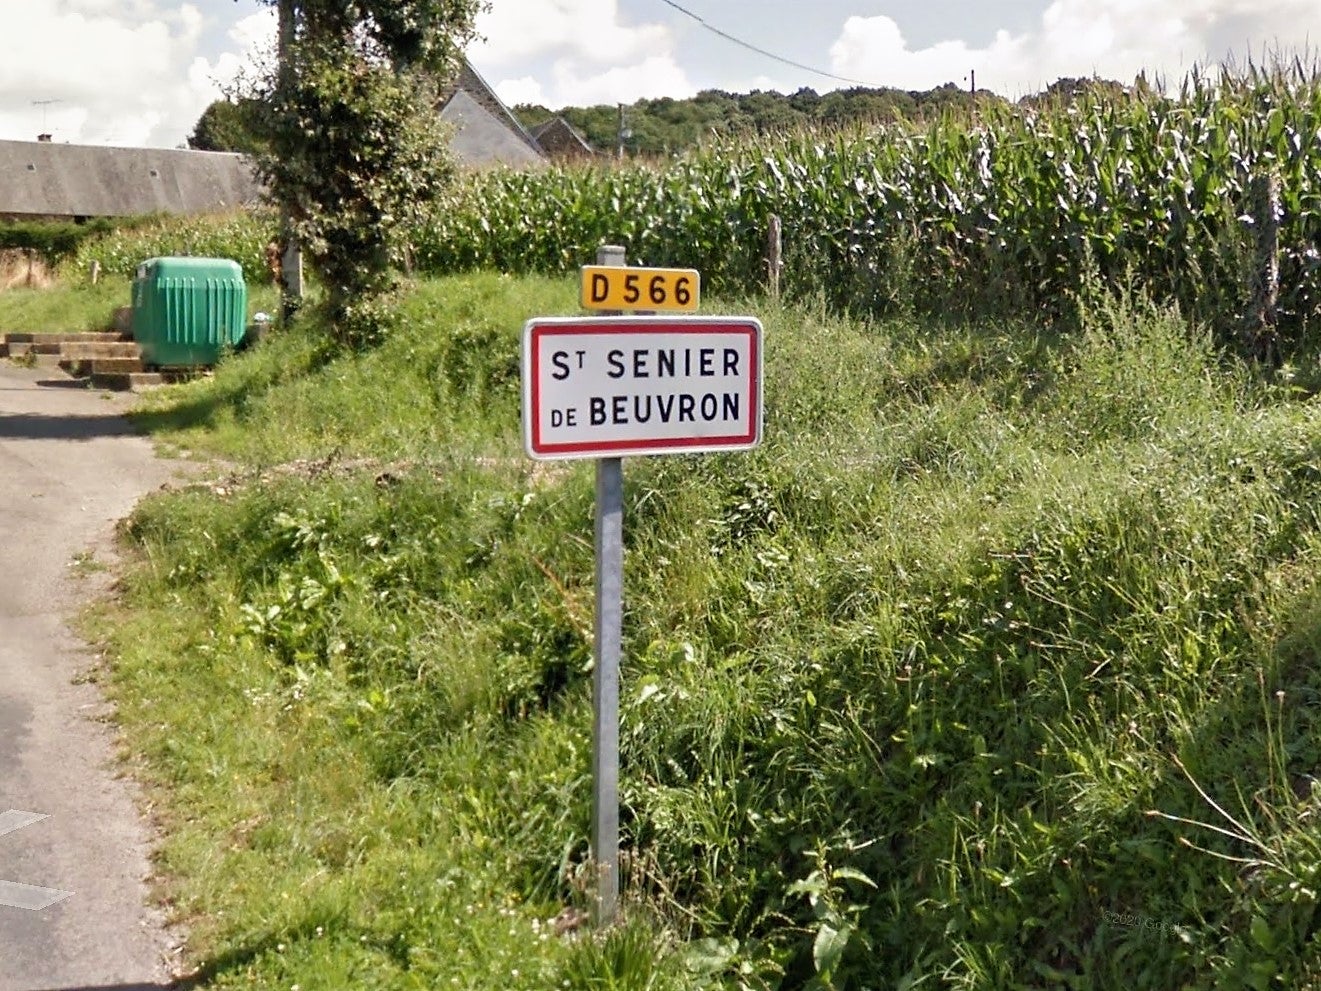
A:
<point x="73" y="848"/>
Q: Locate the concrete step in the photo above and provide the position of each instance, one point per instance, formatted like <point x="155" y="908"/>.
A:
<point x="127" y="381"/>
<point x="44" y="360"/>
<point x="81" y="367"/>
<point x="20" y="348"/>
<point x="23" y="345"/>
<point x="79" y="337"/>
<point x="100" y="349"/>
<point x="116" y="366"/>
<point x="24" y="353"/>
<point x="137" y="381"/>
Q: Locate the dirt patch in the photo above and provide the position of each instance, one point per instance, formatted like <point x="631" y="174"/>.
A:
<point x="21" y="269"/>
<point x="539" y="474"/>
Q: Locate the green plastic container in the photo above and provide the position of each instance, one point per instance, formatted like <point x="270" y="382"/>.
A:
<point x="186" y="311"/>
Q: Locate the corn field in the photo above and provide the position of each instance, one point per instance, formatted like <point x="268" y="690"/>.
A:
<point x="1017" y="209"/>
<point x="241" y="235"/>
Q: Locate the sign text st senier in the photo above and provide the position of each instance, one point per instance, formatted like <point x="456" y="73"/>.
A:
<point x="613" y="386"/>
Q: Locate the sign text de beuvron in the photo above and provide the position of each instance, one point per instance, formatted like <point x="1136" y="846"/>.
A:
<point x="638" y="385"/>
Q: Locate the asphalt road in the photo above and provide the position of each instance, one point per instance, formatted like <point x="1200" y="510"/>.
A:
<point x="73" y="848"/>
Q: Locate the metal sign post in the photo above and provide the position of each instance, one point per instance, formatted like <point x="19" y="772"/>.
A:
<point x="610" y="386"/>
<point x="605" y="684"/>
<point x="607" y="649"/>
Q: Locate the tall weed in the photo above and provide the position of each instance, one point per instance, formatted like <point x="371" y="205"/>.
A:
<point x="902" y="689"/>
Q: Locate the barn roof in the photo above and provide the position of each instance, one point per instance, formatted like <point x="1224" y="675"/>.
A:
<point x="481" y="139"/>
<point x="557" y="137"/>
<point x="497" y="117"/>
<point x="43" y="179"/>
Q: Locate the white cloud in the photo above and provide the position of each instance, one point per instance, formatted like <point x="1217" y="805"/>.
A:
<point x="591" y="55"/>
<point x="574" y="84"/>
<point x="585" y="29"/>
<point x="124" y="72"/>
<point x="650" y="78"/>
<point x="141" y="71"/>
<point x="254" y="41"/>
<point x="522" y="90"/>
<point x="1111" y="38"/>
<point x="874" y="50"/>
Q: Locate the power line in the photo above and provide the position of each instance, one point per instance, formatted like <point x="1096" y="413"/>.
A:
<point x="761" y="51"/>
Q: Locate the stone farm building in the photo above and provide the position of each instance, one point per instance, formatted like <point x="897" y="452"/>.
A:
<point x="486" y="132"/>
<point x="44" y="180"/>
<point x="562" y="141"/>
<point x="40" y="180"/>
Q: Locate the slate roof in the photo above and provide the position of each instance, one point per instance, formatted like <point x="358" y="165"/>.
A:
<point x="43" y="179"/>
<point x="485" y="128"/>
<point x="560" y="139"/>
<point x="481" y="139"/>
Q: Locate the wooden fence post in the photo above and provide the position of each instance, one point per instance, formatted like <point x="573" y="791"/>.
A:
<point x="774" y="257"/>
<point x="1258" y="333"/>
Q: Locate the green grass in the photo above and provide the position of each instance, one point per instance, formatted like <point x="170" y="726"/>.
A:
<point x="424" y="395"/>
<point x="901" y="687"/>
<point x="65" y="308"/>
<point x="75" y="307"/>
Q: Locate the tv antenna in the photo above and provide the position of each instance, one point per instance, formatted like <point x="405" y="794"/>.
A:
<point x="45" y="106"/>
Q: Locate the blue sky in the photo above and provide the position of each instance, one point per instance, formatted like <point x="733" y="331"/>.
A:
<point x="139" y="72"/>
<point x="803" y="32"/>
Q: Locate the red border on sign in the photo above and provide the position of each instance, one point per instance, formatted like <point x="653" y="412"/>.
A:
<point x="562" y="328"/>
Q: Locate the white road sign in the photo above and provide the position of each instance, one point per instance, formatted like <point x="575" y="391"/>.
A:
<point x="597" y="387"/>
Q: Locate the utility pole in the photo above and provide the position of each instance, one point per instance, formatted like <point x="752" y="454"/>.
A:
<point x="623" y="132"/>
<point x="972" y="85"/>
<point x="291" y="263"/>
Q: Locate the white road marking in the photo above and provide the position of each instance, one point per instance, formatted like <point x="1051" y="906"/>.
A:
<point x="14" y="820"/>
<point x="26" y="896"/>
<point x="29" y="896"/>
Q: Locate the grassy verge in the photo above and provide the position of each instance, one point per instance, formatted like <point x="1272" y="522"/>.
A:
<point x="74" y="307"/>
<point x="903" y="687"/>
<point x="69" y="308"/>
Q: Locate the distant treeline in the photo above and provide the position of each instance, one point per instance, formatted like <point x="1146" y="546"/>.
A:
<point x="665" y="125"/>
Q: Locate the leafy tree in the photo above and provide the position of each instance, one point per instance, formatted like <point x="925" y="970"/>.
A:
<point x="872" y="106"/>
<point x="948" y="96"/>
<point x="226" y="125"/>
<point x="351" y="145"/>
<point x="805" y="100"/>
<point x="1074" y="90"/>
<point x="599" y="124"/>
<point x="668" y="126"/>
<point x="532" y="114"/>
<point x="771" y="112"/>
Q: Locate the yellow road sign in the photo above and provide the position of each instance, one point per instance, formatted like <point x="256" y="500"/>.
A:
<point x="608" y="287"/>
